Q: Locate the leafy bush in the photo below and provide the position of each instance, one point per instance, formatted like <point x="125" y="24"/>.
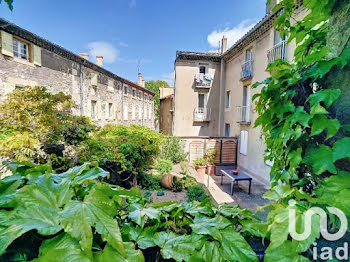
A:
<point x="125" y="151"/>
<point x="172" y="149"/>
<point x="164" y="166"/>
<point x="184" y="167"/>
<point x="210" y="156"/>
<point x="39" y="126"/>
<point x="71" y="216"/>
<point x="199" y="162"/>
<point x="148" y="181"/>
<point x="177" y="185"/>
<point x="188" y="181"/>
<point x="196" y="193"/>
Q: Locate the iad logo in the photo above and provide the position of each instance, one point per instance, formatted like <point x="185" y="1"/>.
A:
<point x="326" y="252"/>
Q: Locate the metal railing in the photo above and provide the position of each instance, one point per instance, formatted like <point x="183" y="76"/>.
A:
<point x="277" y="52"/>
<point x="247" y="69"/>
<point x="243" y="114"/>
<point x="201" y="81"/>
<point x="201" y="114"/>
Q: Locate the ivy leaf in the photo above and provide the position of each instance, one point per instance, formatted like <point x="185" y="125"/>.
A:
<point x="210" y="252"/>
<point x="294" y="158"/>
<point x="179" y="248"/>
<point x="138" y="213"/>
<point x="322" y="122"/>
<point x="327" y="96"/>
<point x="146" y="238"/>
<point x="286" y="253"/>
<point x="318" y="109"/>
<point x="321" y="159"/>
<point x="300" y="116"/>
<point x="61" y="248"/>
<point x="341" y="149"/>
<point x="278" y="192"/>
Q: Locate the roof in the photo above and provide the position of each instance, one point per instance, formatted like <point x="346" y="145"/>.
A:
<point x="45" y="44"/>
<point x="187" y="55"/>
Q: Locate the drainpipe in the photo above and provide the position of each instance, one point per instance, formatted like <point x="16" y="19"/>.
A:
<point x="81" y="90"/>
<point x="222" y="98"/>
<point x="173" y="104"/>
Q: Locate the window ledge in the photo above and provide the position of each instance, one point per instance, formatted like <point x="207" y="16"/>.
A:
<point x="244" y="122"/>
<point x="22" y="61"/>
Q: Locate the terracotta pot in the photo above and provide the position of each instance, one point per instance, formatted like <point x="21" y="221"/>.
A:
<point x="201" y="171"/>
<point x="211" y="170"/>
<point x="167" y="181"/>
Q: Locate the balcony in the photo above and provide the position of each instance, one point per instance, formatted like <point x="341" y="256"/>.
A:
<point x="247" y="70"/>
<point x="201" y="114"/>
<point x="243" y="114"/>
<point x="203" y="80"/>
<point x="277" y="52"/>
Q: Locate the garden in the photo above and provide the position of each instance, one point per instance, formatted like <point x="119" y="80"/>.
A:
<point x="72" y="191"/>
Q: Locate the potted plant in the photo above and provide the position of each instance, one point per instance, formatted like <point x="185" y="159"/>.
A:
<point x="210" y="157"/>
<point x="200" y="166"/>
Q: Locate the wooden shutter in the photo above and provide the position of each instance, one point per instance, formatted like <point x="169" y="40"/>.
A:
<point x="6" y="44"/>
<point x="37" y="55"/>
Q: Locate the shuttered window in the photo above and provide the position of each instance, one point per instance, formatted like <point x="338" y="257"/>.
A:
<point x="6" y="44"/>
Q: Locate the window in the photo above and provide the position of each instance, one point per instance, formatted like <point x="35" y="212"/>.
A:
<point x="20" y="50"/>
<point x="133" y="113"/>
<point x="228" y="99"/>
<point x="244" y="142"/>
<point x="93" y="109"/>
<point x="248" y="55"/>
<point x="133" y="92"/>
<point x="125" y="112"/>
<point x="145" y="114"/>
<point x="140" y="113"/>
<point x="227" y="129"/>
<point x="201" y="100"/>
<point x="110" y="110"/>
<point x="277" y="37"/>
<point x="125" y="90"/>
<point x="202" y="69"/>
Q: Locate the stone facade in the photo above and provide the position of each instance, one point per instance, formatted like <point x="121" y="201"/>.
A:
<point x="98" y="93"/>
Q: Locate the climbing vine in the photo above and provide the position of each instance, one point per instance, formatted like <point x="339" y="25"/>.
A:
<point x="304" y="126"/>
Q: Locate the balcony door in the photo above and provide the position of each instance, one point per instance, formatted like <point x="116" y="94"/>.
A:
<point x="245" y="107"/>
<point x="202" y="105"/>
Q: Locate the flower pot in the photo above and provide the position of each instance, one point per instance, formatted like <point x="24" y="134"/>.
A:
<point x="211" y="170"/>
<point x="201" y="171"/>
<point x="167" y="181"/>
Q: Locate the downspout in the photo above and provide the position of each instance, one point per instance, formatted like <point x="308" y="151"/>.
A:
<point x="222" y="98"/>
<point x="173" y="104"/>
<point x="81" y="90"/>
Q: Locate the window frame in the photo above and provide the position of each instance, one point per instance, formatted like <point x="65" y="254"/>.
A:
<point x="18" y="51"/>
<point x="228" y="99"/>
<point x="229" y="130"/>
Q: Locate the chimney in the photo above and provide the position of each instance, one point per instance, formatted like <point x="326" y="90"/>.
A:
<point x="141" y="81"/>
<point x="223" y="44"/>
<point x="99" y="60"/>
<point x="84" y="55"/>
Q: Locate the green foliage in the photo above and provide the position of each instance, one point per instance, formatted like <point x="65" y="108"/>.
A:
<point x="188" y="181"/>
<point x="39" y="126"/>
<point x="210" y="156"/>
<point x="173" y="149"/>
<point x="9" y="4"/>
<point x="184" y="167"/>
<point x="306" y="140"/>
<point x="199" y="162"/>
<point x="148" y="181"/>
<point x="125" y="151"/>
<point x="196" y="193"/>
<point x="72" y="217"/>
<point x="154" y="87"/>
<point x="164" y="166"/>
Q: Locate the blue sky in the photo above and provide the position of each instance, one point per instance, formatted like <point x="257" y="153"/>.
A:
<point x="128" y="31"/>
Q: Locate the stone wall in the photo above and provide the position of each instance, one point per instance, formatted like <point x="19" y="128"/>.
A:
<point x="113" y="99"/>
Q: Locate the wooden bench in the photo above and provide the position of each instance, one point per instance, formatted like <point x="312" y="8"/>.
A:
<point x="235" y="178"/>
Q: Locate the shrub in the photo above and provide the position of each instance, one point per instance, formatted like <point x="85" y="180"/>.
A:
<point x="164" y="166"/>
<point x="148" y="181"/>
<point x="199" y="162"/>
<point x="188" y="181"/>
<point x="184" y="167"/>
<point x="196" y="193"/>
<point x="125" y="151"/>
<point x="172" y="149"/>
<point x="177" y="185"/>
<point x="210" y="156"/>
<point x="39" y="126"/>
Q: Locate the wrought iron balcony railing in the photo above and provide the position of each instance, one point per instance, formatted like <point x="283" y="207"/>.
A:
<point x="277" y="52"/>
<point x="247" y="70"/>
<point x="243" y="114"/>
<point x="201" y="114"/>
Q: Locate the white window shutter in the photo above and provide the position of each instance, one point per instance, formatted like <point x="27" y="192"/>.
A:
<point x="94" y="80"/>
<point x="89" y="108"/>
<point x="99" y="109"/>
<point x="37" y="55"/>
<point x="106" y="110"/>
<point x="145" y="113"/>
<point x="125" y="112"/>
<point x="6" y="44"/>
<point x="140" y="113"/>
<point x="244" y="142"/>
<point x="133" y="112"/>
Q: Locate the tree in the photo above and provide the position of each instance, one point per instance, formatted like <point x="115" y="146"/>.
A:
<point x="154" y="87"/>
<point x="9" y="3"/>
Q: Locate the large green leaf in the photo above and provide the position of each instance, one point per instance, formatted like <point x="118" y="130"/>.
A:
<point x="322" y="122"/>
<point x="327" y="96"/>
<point x="210" y="226"/>
<point x="138" y="213"/>
<point x="321" y="159"/>
<point x="210" y="252"/>
<point x="109" y="254"/>
<point x="62" y="248"/>
<point x="180" y="248"/>
<point x="235" y="248"/>
<point x="341" y="149"/>
<point x="286" y="253"/>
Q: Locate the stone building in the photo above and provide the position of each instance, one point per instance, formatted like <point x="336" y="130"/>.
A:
<point x="27" y="59"/>
<point x="166" y="96"/>
<point x="213" y="94"/>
